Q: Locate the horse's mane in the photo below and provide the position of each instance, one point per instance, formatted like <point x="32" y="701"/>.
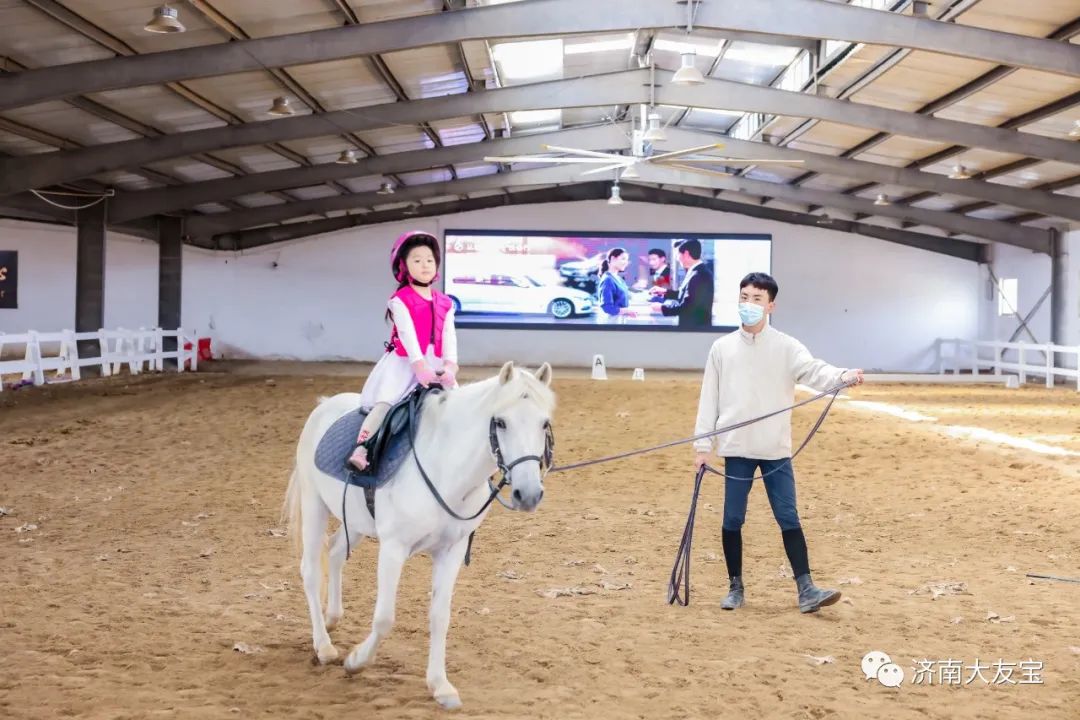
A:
<point x="492" y="396"/>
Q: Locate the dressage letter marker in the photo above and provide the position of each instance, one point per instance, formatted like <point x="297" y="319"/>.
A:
<point x="599" y="369"/>
<point x="639" y="374"/>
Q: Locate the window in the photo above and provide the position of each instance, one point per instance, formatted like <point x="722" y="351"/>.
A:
<point x="1008" y="297"/>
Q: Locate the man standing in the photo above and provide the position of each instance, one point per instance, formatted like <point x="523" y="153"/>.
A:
<point x="692" y="302"/>
<point x="752" y="372"/>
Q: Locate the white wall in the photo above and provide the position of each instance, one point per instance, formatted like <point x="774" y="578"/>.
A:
<point x="853" y="300"/>
<point x="1032" y="270"/>
<point x="47" y="278"/>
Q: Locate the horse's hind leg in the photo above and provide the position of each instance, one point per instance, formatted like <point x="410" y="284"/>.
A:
<point x="315" y="515"/>
<point x="338" y="553"/>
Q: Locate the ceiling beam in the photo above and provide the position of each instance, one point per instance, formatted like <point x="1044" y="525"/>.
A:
<point x="984" y="81"/>
<point x="608" y="89"/>
<point x="89" y="30"/>
<point x="602" y="138"/>
<point x="619" y="88"/>
<point x="797" y="18"/>
<point x="1033" y="116"/>
<point x="965" y="250"/>
<point x="95" y="108"/>
<point x="1062" y="34"/>
<point x="958" y="248"/>
<point x="1029" y="238"/>
<point x="470" y="78"/>
<point x="30" y="207"/>
<point x="163" y="200"/>
<point x="809" y="44"/>
<point x="287" y="82"/>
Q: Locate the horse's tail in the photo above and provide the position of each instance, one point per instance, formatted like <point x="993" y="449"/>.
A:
<point x="290" y="511"/>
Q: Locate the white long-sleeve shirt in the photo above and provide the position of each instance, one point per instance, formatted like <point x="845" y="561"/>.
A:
<point x="407" y="333"/>
<point x="392" y="377"/>
<point x="747" y="376"/>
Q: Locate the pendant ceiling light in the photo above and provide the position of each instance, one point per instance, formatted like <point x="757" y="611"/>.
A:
<point x="688" y="74"/>
<point x="281" y="107"/>
<point x="166" y="20"/>
<point x="347" y="157"/>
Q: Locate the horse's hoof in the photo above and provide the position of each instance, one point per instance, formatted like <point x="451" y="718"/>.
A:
<point x="332" y="622"/>
<point x="357" y="661"/>
<point x="326" y="654"/>
<point x="449" y="702"/>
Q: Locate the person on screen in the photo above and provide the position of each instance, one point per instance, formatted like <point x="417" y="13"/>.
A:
<point x="750" y="373"/>
<point x="692" y="302"/>
<point x="423" y="344"/>
<point x="659" y="270"/>
<point x="611" y="291"/>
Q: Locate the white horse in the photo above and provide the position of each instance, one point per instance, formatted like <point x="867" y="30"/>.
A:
<point x="461" y="432"/>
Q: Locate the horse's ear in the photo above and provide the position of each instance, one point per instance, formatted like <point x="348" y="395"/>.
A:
<point x="506" y="373"/>
<point x="544" y="374"/>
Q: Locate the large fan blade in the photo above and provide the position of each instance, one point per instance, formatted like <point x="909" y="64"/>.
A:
<point x="691" y="168"/>
<point x="606" y="168"/>
<point x="743" y="160"/>
<point x="588" y="153"/>
<point x="541" y="159"/>
<point x="688" y="151"/>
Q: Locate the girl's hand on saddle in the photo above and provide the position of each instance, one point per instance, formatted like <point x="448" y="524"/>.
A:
<point x="424" y="374"/>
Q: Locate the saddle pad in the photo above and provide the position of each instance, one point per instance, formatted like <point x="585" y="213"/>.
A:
<point x="335" y="447"/>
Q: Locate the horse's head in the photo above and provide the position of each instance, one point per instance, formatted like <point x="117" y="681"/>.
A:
<point x="521" y="437"/>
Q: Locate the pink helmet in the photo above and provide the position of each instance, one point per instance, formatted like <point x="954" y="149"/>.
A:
<point x="404" y="244"/>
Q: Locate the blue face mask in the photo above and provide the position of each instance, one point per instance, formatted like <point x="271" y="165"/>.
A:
<point x="750" y="314"/>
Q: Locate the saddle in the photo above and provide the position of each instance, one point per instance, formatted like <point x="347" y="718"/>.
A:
<point x="387" y="448"/>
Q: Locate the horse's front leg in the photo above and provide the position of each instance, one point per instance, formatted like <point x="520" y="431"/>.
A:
<point x="392" y="557"/>
<point x="445" y="566"/>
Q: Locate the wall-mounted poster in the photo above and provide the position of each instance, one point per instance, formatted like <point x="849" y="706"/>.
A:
<point x="9" y="279"/>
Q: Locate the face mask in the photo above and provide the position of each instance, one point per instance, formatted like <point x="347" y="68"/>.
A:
<point x="750" y="314"/>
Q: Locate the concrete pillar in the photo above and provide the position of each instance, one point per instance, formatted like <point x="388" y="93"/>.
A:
<point x="1065" y="320"/>
<point x="90" y="276"/>
<point x="1059" y="281"/>
<point x="170" y="256"/>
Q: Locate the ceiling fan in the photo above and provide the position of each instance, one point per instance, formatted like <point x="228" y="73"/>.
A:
<point x="642" y="152"/>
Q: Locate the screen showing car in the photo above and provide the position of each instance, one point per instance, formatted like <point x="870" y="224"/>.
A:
<point x="560" y="280"/>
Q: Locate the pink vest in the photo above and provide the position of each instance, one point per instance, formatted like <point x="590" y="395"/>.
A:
<point x="428" y="319"/>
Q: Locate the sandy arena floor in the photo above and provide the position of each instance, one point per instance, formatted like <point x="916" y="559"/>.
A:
<point x="138" y="552"/>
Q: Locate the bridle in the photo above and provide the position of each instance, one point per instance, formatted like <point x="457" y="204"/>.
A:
<point x="545" y="460"/>
<point x="504" y="469"/>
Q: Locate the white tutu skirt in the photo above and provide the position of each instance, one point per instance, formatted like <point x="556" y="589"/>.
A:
<point x="392" y="379"/>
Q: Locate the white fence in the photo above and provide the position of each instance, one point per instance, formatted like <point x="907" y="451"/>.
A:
<point x="1029" y="359"/>
<point x="58" y="352"/>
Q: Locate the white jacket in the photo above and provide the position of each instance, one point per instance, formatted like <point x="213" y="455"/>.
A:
<point x="747" y="376"/>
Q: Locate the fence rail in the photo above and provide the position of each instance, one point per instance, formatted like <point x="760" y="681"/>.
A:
<point x="968" y="355"/>
<point x="58" y="353"/>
